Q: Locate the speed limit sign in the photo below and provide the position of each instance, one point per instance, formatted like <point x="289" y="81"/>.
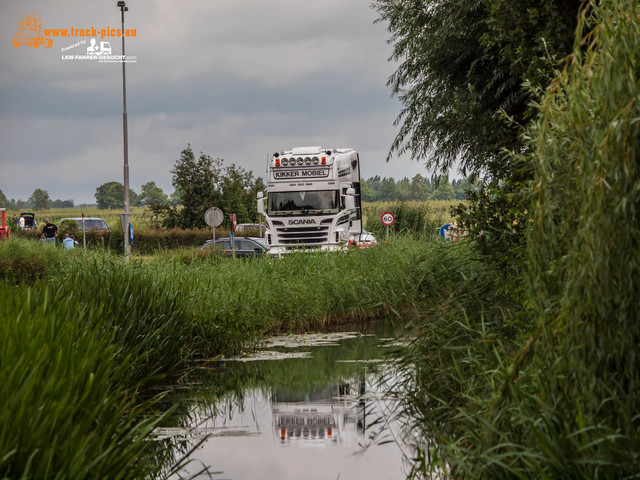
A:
<point x="388" y="218"/>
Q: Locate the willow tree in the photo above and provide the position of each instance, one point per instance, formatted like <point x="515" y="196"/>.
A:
<point x="568" y="406"/>
<point x="585" y="248"/>
<point x="467" y="75"/>
<point x="462" y="69"/>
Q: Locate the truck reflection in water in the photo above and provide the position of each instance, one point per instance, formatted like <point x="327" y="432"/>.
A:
<point x="326" y="415"/>
<point x="313" y="412"/>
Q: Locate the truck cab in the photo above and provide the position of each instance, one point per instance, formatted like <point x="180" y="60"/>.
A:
<point x="312" y="200"/>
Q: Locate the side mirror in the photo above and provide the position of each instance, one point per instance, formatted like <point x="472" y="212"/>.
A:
<point x="349" y="200"/>
<point x="260" y="203"/>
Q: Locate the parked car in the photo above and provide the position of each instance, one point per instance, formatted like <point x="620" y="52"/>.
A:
<point x="29" y="221"/>
<point x="244" y="227"/>
<point x="90" y="223"/>
<point x="367" y="239"/>
<point x="244" y="246"/>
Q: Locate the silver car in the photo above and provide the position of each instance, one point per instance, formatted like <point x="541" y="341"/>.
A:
<point x="90" y="223"/>
<point x="244" y="246"/>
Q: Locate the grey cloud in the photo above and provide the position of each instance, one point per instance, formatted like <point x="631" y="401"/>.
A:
<point x="235" y="79"/>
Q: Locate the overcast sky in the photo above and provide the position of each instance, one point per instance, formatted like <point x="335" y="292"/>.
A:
<point x="235" y="79"/>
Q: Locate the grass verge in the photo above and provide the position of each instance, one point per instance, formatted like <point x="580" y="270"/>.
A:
<point x="87" y="337"/>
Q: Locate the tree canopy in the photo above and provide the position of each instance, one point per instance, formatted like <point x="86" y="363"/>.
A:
<point x="151" y="194"/>
<point x="39" y="199"/>
<point x="469" y="75"/>
<point x="110" y="195"/>
<point x="202" y="183"/>
<point x="465" y="73"/>
<point x="418" y="188"/>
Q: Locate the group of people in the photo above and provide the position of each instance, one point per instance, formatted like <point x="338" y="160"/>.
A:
<point x="50" y="233"/>
<point x="21" y="223"/>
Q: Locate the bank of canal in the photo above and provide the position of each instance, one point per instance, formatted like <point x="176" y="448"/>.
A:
<point x="305" y="406"/>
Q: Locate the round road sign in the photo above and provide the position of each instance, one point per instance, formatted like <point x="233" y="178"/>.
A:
<point x="213" y="217"/>
<point x="387" y="218"/>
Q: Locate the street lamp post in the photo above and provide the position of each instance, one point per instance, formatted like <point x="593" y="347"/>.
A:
<point x="125" y="218"/>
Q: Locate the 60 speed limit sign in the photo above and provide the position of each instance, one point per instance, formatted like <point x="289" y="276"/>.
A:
<point x="388" y="218"/>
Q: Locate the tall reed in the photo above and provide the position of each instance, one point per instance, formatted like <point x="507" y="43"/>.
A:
<point x="27" y="261"/>
<point x="560" y="399"/>
<point x="68" y="407"/>
<point x="299" y="291"/>
<point x="85" y="341"/>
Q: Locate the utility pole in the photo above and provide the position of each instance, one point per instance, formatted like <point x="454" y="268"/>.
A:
<point x="125" y="220"/>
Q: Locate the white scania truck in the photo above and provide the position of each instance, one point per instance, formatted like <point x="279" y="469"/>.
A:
<point x="312" y="200"/>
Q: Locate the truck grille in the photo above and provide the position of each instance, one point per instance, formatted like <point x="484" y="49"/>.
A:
<point x="303" y="235"/>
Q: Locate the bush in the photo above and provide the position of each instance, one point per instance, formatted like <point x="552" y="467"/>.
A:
<point x="25" y="261"/>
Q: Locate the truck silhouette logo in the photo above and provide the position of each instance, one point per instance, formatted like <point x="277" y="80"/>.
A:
<point x="103" y="49"/>
<point x="30" y="33"/>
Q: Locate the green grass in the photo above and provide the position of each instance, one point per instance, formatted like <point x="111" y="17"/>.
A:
<point x="86" y="338"/>
<point x="68" y="407"/>
<point x="548" y="388"/>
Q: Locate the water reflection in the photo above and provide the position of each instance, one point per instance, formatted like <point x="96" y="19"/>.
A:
<point x="322" y="416"/>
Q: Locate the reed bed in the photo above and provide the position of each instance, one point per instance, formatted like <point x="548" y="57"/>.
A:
<point x="87" y="338"/>
<point x="298" y="292"/>
<point x="549" y="388"/>
<point x="68" y="407"/>
<point x="27" y="261"/>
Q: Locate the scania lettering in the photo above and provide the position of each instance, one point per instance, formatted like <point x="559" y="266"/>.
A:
<point x="312" y="200"/>
<point x="301" y="222"/>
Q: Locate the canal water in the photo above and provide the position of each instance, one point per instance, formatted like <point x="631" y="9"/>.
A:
<point x="303" y="407"/>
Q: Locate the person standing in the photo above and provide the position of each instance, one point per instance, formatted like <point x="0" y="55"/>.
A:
<point x="50" y="231"/>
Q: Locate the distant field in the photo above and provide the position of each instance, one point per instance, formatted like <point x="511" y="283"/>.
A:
<point x="140" y="216"/>
<point x="434" y="209"/>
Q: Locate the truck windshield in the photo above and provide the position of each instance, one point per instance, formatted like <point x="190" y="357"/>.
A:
<point x="313" y="201"/>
